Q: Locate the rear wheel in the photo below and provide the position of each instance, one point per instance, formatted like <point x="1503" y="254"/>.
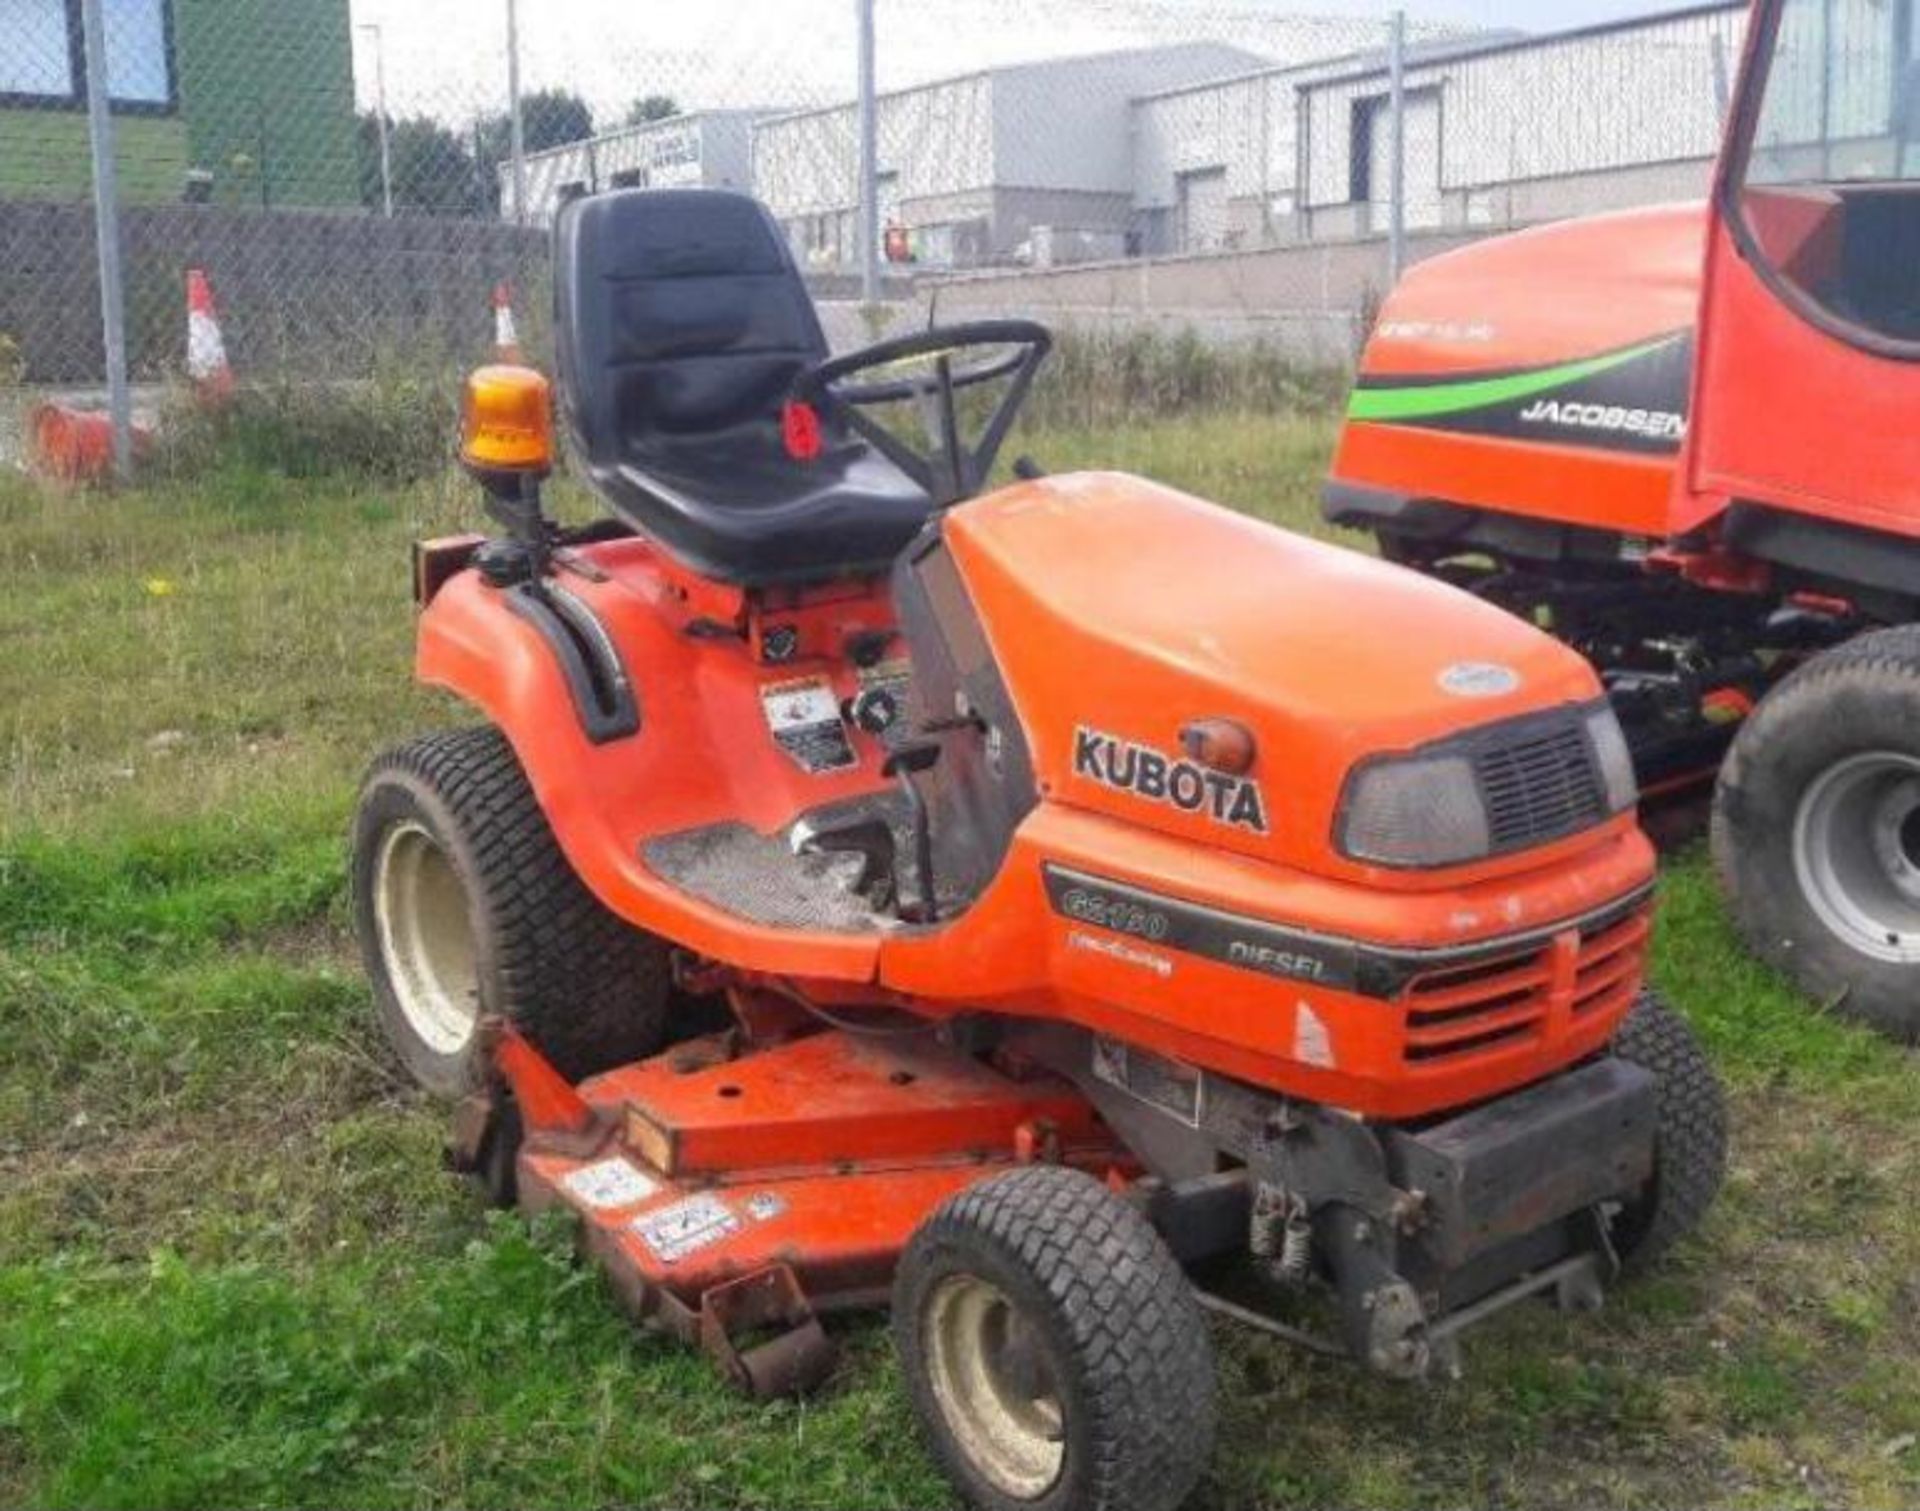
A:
<point x="1054" y="1351"/>
<point x="466" y="907"/>
<point x="1816" y="829"/>
<point x="1690" y="1149"/>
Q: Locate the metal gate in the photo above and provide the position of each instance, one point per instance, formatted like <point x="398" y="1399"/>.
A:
<point x="1422" y="174"/>
<point x="1203" y="210"/>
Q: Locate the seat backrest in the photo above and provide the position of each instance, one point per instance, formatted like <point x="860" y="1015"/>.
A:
<point x="680" y="316"/>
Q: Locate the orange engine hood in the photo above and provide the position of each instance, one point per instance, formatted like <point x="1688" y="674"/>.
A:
<point x="1120" y="610"/>
<point x="1556" y="293"/>
<point x="1544" y="373"/>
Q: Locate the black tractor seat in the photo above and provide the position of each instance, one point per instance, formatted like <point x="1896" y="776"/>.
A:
<point x="681" y="323"/>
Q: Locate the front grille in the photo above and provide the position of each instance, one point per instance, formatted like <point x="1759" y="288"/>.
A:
<point x="1540" y="782"/>
<point x="1492" y="1006"/>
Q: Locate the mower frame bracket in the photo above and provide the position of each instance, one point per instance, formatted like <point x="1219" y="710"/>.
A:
<point x="790" y="1352"/>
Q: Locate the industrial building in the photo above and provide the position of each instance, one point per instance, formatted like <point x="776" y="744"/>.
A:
<point x="708" y="149"/>
<point x="1209" y="146"/>
<point x="1218" y="165"/>
<point x="1499" y="131"/>
<point x="1027" y="160"/>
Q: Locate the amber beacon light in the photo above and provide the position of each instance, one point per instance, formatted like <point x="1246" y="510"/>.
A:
<point x="508" y="422"/>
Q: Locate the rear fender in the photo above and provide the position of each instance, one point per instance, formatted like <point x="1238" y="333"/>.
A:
<point x="679" y="763"/>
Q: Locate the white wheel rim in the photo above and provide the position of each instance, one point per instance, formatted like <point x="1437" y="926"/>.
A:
<point x="1856" y="853"/>
<point x="426" y="938"/>
<point x="991" y="1381"/>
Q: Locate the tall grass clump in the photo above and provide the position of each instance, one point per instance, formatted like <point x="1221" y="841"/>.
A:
<point x="396" y="426"/>
<point x="1119" y="377"/>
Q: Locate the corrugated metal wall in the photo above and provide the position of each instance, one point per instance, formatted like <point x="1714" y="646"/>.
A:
<point x="1634" y="96"/>
<point x="935" y="140"/>
<point x="1621" y="97"/>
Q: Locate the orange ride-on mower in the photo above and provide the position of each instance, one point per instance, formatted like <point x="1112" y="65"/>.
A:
<point x="1100" y="882"/>
<point x="1687" y="441"/>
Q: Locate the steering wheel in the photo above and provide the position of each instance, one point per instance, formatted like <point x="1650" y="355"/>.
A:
<point x="950" y="470"/>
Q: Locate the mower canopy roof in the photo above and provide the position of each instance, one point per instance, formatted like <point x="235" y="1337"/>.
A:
<point x="681" y="323"/>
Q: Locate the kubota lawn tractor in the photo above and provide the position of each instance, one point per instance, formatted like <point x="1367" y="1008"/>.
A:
<point x="1687" y="441"/>
<point x="1097" y="882"/>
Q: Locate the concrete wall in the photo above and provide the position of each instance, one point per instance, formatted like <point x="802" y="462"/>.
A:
<point x="1531" y="201"/>
<point x="1311" y="300"/>
<point x="323" y="295"/>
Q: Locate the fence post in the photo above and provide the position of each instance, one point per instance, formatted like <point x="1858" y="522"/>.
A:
<point x="380" y="104"/>
<point x="106" y="225"/>
<point x="1397" y="138"/>
<point x="867" y="238"/>
<point x="1722" y="81"/>
<point x="516" y="124"/>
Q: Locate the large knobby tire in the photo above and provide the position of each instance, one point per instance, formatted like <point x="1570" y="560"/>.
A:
<point x="1690" y="1151"/>
<point x="465" y="907"/>
<point x="1816" y="829"/>
<point x="1054" y="1352"/>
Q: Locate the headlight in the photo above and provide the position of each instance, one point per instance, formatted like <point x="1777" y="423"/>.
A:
<point x="1422" y="811"/>
<point x="1509" y="786"/>
<point x="1616" y="761"/>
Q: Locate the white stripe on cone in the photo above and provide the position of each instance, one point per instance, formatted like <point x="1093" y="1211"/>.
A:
<point x="206" y="350"/>
<point x="506" y="335"/>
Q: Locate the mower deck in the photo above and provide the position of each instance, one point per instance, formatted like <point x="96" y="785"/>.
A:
<point x="731" y="1195"/>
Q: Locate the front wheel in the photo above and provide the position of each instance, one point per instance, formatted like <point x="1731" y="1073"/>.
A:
<point x="1816" y="829"/>
<point x="1690" y="1138"/>
<point x="465" y="906"/>
<point x="1055" y="1355"/>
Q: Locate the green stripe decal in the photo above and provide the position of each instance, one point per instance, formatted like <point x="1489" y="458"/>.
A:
<point x="1427" y="400"/>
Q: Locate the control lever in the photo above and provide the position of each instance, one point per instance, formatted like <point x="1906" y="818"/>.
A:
<point x="904" y="763"/>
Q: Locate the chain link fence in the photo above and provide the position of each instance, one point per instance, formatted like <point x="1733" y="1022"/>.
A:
<point x="360" y="180"/>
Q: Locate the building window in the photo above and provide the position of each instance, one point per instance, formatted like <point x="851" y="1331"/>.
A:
<point x="44" y="63"/>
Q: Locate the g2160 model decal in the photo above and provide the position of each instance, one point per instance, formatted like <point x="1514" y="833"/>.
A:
<point x="1125" y="766"/>
<point x="1187" y="928"/>
<point x="1270" y="949"/>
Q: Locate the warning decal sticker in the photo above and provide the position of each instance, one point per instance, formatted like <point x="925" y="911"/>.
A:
<point x="610" y="1183"/>
<point x="686" y="1227"/>
<point x="804" y="718"/>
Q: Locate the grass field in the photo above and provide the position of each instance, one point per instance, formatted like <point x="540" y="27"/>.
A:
<point x="231" y="1272"/>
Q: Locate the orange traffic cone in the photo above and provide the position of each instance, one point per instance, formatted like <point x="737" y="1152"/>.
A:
<point x="506" y="335"/>
<point x="74" y="445"/>
<point x="206" y="352"/>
